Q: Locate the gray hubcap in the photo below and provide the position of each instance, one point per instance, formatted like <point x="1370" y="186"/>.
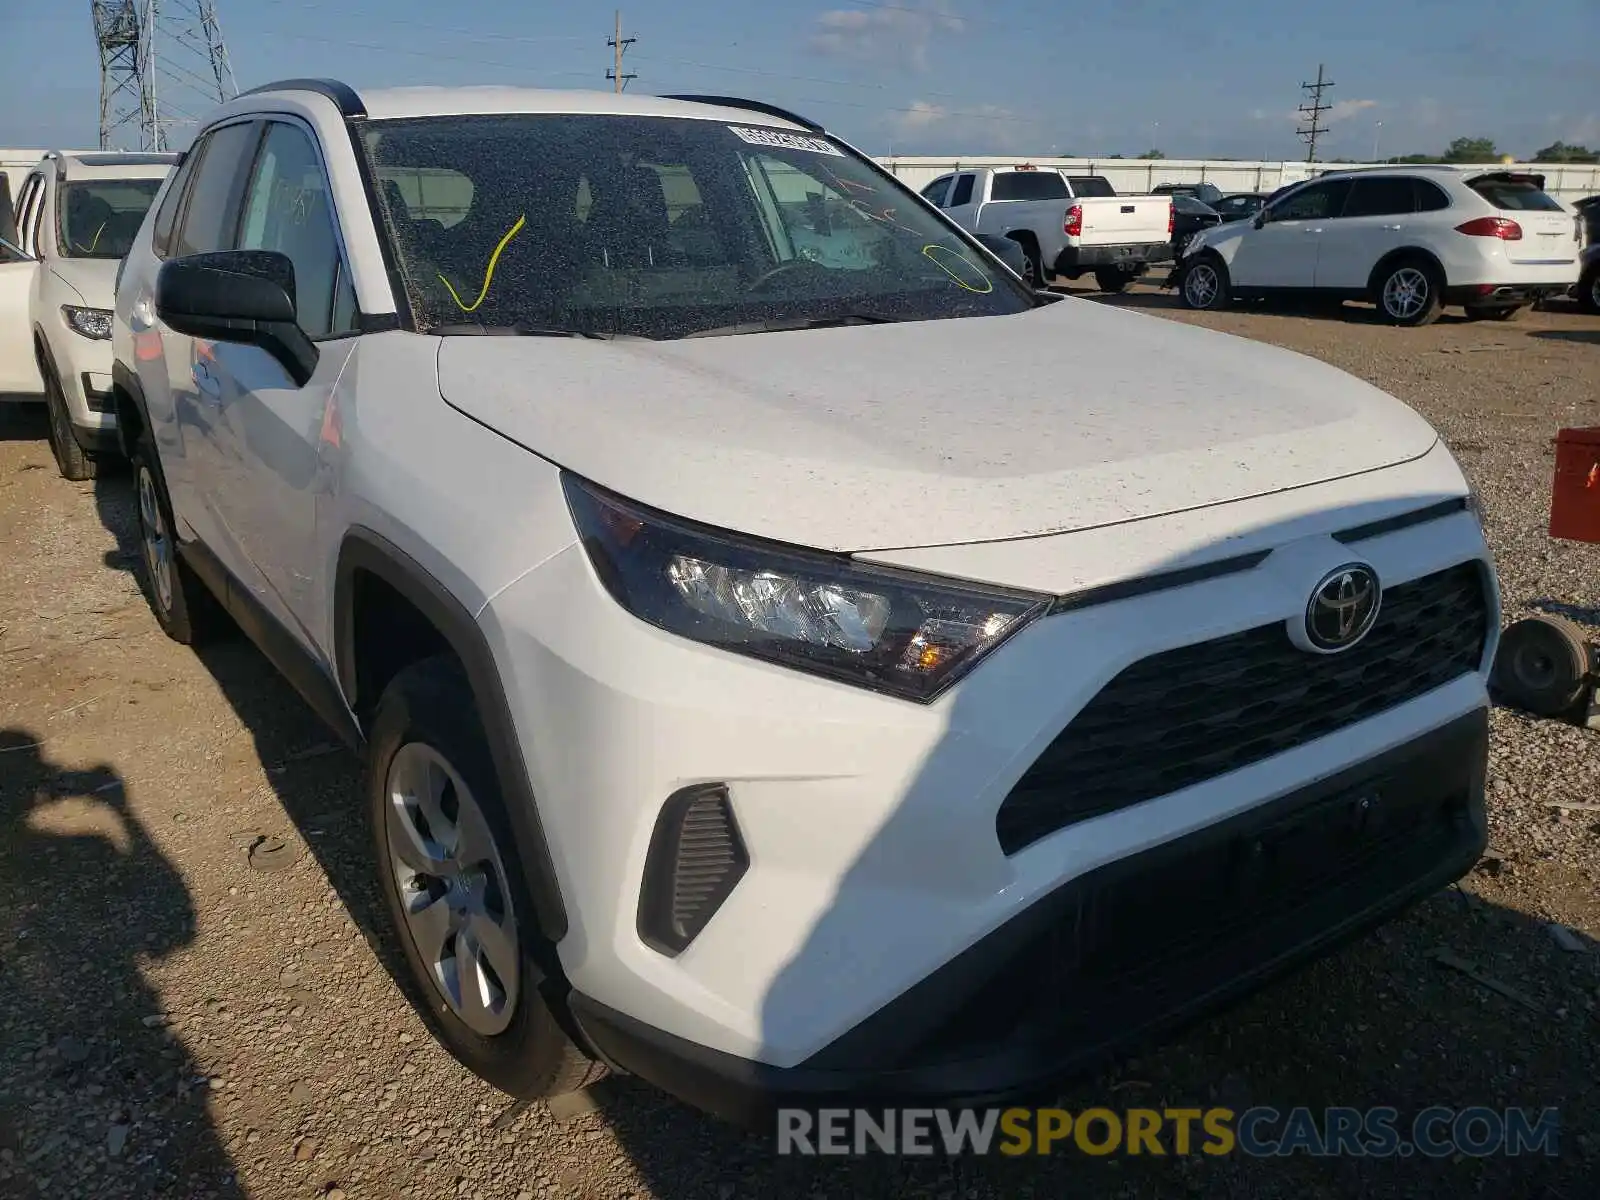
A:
<point x="155" y="540"/>
<point x="1594" y="292"/>
<point x="1405" y="293"/>
<point x="1200" y="285"/>
<point x="452" y="885"/>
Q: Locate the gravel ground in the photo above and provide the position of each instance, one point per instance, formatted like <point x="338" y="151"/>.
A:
<point x="191" y="1003"/>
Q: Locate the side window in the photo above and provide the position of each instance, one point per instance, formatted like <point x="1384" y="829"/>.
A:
<point x="1315" y="203"/>
<point x="167" y="215"/>
<point x="211" y="211"/>
<point x="1382" y="196"/>
<point x="934" y="193"/>
<point x="963" y="193"/>
<point x="287" y="208"/>
<point x="1430" y="197"/>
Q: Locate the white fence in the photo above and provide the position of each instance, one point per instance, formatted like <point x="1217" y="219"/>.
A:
<point x="1131" y="176"/>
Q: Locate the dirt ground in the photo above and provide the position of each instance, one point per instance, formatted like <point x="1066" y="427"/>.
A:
<point x="191" y="1005"/>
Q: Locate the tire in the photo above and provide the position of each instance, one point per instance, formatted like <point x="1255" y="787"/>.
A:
<point x="183" y="606"/>
<point x="1410" y="293"/>
<point x="1503" y="312"/>
<point x="1204" y="285"/>
<point x="71" y="460"/>
<point x="1542" y="666"/>
<point x="1033" y="266"/>
<point x="1589" y="291"/>
<point x="1112" y="279"/>
<point x="425" y="729"/>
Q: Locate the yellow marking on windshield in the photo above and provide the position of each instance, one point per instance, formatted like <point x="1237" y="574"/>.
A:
<point x="488" y="275"/>
<point x="988" y="283"/>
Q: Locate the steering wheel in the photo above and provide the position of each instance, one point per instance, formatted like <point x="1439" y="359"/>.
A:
<point x="761" y="281"/>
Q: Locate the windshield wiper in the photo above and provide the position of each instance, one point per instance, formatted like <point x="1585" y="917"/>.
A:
<point x="461" y="328"/>
<point x="784" y="324"/>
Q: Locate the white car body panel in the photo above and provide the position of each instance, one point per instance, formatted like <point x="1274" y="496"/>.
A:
<point x="768" y="435"/>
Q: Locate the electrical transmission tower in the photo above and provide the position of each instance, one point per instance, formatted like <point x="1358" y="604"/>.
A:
<point x="162" y="65"/>
<point x="1314" y="128"/>
<point x="619" y="45"/>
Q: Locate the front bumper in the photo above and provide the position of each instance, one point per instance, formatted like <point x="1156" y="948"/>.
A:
<point x="1086" y="258"/>
<point x="1124" y="954"/>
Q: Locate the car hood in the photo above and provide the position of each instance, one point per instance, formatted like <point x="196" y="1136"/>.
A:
<point x="1065" y="417"/>
<point x="94" y="279"/>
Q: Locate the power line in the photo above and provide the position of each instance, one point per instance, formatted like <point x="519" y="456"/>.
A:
<point x="1310" y="132"/>
<point x="619" y="46"/>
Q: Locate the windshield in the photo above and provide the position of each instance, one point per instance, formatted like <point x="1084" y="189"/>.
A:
<point x="661" y="227"/>
<point x="99" y="218"/>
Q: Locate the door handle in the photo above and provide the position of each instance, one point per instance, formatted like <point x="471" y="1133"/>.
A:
<point x="1311" y="231"/>
<point x="1394" y="228"/>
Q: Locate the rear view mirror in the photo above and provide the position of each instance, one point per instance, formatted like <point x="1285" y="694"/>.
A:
<point x="243" y="296"/>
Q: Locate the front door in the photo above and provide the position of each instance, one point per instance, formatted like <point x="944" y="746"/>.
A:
<point x="19" y="366"/>
<point x="1283" y="252"/>
<point x="271" y="435"/>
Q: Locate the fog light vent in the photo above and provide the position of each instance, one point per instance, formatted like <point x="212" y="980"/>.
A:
<point x="696" y="858"/>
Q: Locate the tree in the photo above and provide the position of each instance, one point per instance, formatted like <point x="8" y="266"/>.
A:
<point x="1471" y="150"/>
<point x="1152" y="154"/>
<point x="1559" y="151"/>
<point x="1416" y="158"/>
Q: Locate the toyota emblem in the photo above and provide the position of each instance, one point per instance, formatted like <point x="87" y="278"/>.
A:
<point x="1343" y="607"/>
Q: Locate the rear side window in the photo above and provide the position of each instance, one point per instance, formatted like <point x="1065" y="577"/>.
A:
<point x="1379" y="197"/>
<point x="211" y="213"/>
<point x="1430" y="196"/>
<point x="1091" y="185"/>
<point x="1029" y="185"/>
<point x="1515" y="194"/>
<point x="963" y="193"/>
<point x="167" y="214"/>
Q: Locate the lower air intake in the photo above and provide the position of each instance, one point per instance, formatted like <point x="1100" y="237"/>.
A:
<point x="696" y="858"/>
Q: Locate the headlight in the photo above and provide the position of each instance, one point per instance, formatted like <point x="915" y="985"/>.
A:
<point x="92" y="323"/>
<point x="826" y="614"/>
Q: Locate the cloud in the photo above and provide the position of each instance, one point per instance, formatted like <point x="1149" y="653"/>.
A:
<point x="900" y="34"/>
<point x="923" y="127"/>
<point x="1339" y="110"/>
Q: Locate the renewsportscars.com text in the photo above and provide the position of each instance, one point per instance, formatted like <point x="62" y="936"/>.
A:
<point x="1261" y="1132"/>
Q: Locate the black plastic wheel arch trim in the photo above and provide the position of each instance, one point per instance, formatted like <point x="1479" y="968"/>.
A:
<point x="366" y="550"/>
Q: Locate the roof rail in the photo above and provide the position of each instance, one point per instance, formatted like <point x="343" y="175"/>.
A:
<point x="341" y="94"/>
<point x="770" y="110"/>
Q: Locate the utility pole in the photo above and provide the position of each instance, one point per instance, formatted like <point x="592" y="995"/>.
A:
<point x="1310" y="132"/>
<point x="618" y="45"/>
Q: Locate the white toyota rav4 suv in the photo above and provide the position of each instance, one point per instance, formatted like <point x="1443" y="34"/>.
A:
<point x="760" y="694"/>
<point x="1410" y="239"/>
<point x="76" y="216"/>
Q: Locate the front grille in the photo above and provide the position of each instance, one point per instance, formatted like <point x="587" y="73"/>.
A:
<point x="1187" y="715"/>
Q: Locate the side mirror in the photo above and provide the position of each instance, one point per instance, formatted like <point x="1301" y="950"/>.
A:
<point x="1261" y="219"/>
<point x="11" y="253"/>
<point x="243" y="296"/>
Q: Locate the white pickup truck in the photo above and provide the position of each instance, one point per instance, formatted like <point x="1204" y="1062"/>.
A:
<point x="1067" y="225"/>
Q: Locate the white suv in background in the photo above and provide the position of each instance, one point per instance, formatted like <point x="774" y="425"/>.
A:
<point x="76" y="216"/>
<point x="740" y="710"/>
<point x="1410" y="239"/>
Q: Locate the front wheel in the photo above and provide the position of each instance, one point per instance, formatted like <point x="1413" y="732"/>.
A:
<point x="453" y="884"/>
<point x="1411" y="293"/>
<point x="71" y="460"/>
<point x="1204" y="285"/>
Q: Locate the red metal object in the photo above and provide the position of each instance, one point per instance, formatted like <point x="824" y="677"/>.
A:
<point x="1575" y="495"/>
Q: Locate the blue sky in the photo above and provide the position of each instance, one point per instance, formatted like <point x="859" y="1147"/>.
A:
<point x="1194" y="77"/>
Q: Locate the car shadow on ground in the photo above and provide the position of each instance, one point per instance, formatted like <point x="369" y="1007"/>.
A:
<point x="1328" y="310"/>
<point x="1586" y="337"/>
<point x="22" y="420"/>
<point x="97" y="1096"/>
<point x="1382" y="1023"/>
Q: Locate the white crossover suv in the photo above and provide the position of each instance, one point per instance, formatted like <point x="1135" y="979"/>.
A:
<point x="76" y="216"/>
<point x="760" y="694"/>
<point x="1410" y="239"/>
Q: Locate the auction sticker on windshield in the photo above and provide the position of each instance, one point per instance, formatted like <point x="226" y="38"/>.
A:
<point x="788" y="141"/>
